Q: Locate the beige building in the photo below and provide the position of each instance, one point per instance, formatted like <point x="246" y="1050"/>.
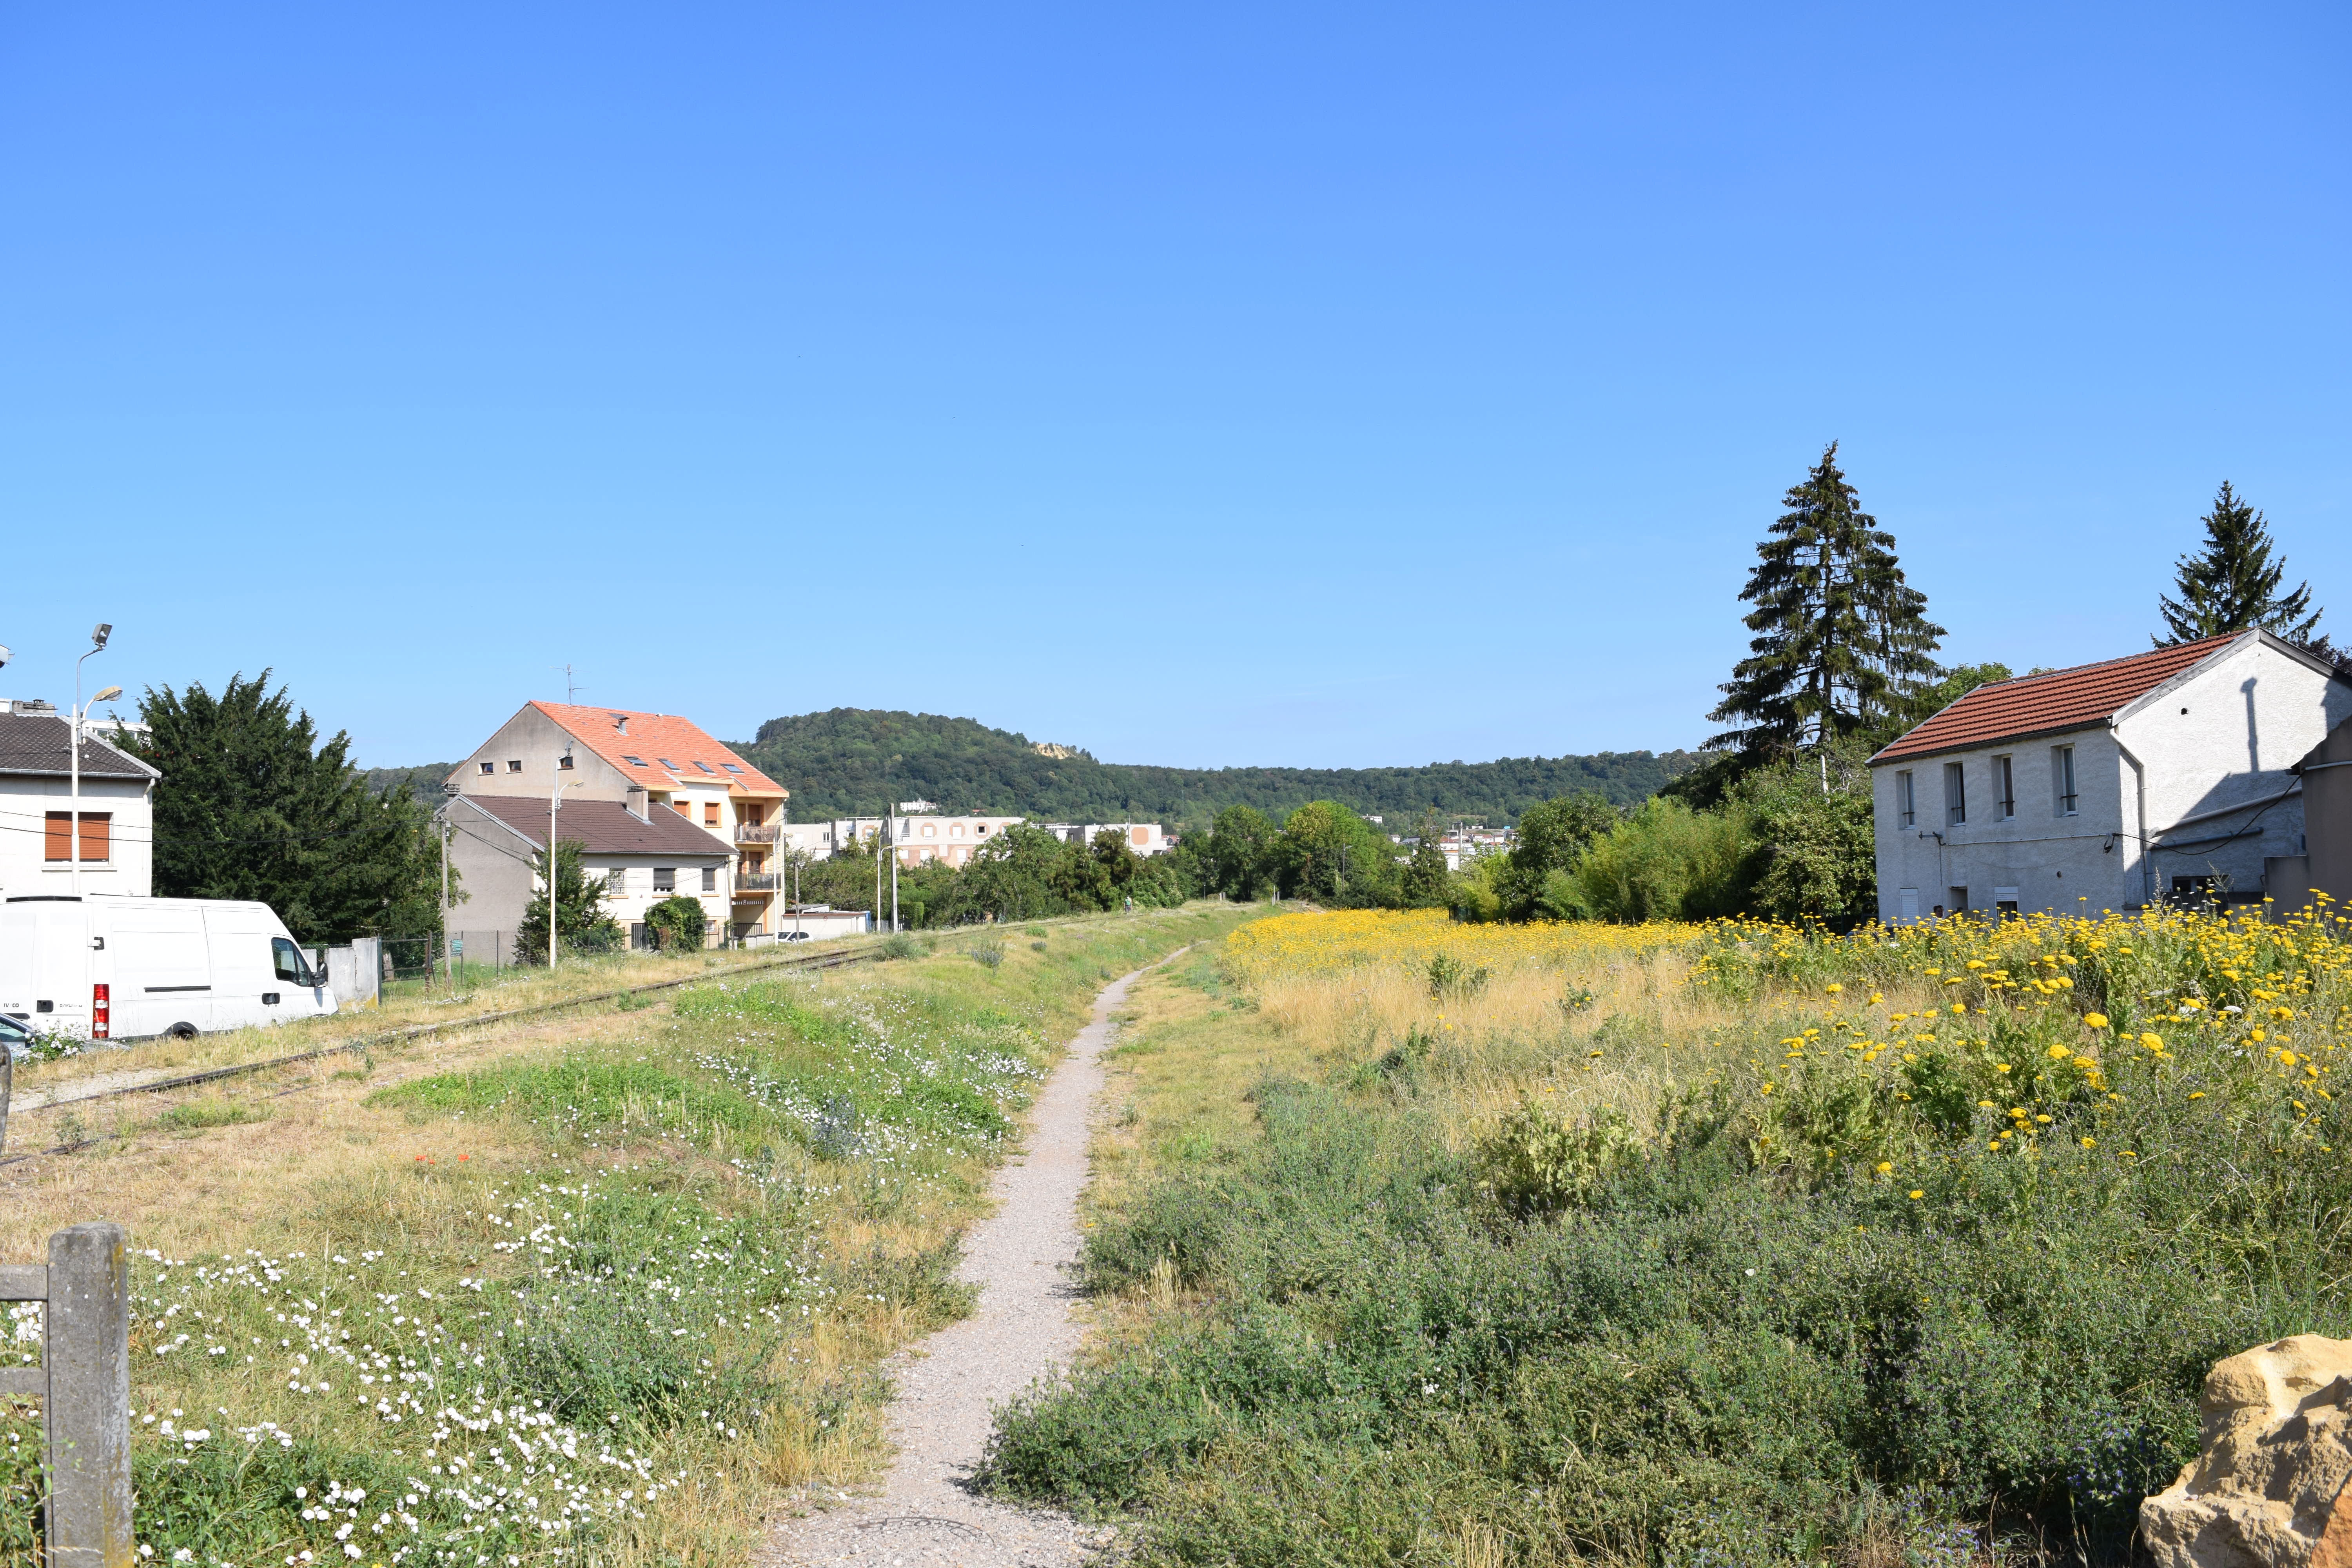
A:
<point x="656" y="768"/>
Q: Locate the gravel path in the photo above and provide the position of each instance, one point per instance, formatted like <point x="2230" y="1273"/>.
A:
<point x="1020" y="1258"/>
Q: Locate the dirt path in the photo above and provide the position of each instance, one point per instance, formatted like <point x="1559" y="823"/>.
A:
<point x="1020" y="1258"/>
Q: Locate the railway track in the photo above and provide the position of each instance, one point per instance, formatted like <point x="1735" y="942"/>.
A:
<point x="801" y="963"/>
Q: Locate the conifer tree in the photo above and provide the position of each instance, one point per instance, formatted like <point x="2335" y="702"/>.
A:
<point x="1842" y="640"/>
<point x="2234" y="585"/>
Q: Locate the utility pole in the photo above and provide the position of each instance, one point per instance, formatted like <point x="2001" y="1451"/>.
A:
<point x="73" y="744"/>
<point x="449" y="795"/>
<point x="554" y="801"/>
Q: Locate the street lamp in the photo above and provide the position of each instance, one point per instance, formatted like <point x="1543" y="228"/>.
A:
<point x="554" y="801"/>
<point x="97" y="637"/>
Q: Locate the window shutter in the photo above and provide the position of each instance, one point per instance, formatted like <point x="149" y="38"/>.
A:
<point x="56" y="838"/>
<point x="96" y="832"/>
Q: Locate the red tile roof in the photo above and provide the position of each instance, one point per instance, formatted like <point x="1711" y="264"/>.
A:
<point x="654" y="740"/>
<point x="2063" y="699"/>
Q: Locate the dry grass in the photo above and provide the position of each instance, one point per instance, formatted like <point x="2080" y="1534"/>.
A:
<point x="297" y="1161"/>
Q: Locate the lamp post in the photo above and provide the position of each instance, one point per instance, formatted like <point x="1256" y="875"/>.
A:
<point x="554" y="800"/>
<point x="97" y="637"/>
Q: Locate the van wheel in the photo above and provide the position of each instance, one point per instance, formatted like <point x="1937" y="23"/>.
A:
<point x="181" y="1032"/>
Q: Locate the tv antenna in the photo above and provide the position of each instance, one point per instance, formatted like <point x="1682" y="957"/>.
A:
<point x="571" y="692"/>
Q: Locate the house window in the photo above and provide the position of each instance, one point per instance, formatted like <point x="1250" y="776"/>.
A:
<point x="616" y="882"/>
<point x="96" y="836"/>
<point x="1907" y="804"/>
<point x="1959" y="896"/>
<point x="2004" y="900"/>
<point x="667" y="763"/>
<point x="684" y="808"/>
<point x="930" y="831"/>
<point x="2004" y="788"/>
<point x="2062" y="778"/>
<point x="710" y="879"/>
<point x="709" y="813"/>
<point x="514" y="765"/>
<point x="703" y="765"/>
<point x="632" y="762"/>
<point x="1956" y="797"/>
<point x="664" y="879"/>
<point x="563" y="762"/>
<point x="490" y="767"/>
<point x="731" y="767"/>
<point x="955" y="830"/>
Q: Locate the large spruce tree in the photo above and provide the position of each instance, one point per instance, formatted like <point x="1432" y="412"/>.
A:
<point x="1842" y="640"/>
<point x="253" y="805"/>
<point x="2233" y="585"/>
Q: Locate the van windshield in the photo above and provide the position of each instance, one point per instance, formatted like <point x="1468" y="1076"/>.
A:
<point x="291" y="966"/>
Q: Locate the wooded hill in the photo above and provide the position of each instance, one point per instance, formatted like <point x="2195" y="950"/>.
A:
<point x="833" y="763"/>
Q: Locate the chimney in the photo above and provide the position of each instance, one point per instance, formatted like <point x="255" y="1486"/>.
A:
<point x="637" y="807"/>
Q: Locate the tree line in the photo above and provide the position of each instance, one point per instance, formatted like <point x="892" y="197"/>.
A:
<point x="1778" y="819"/>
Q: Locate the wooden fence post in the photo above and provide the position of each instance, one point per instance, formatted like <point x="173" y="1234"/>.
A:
<point x="86" y="1355"/>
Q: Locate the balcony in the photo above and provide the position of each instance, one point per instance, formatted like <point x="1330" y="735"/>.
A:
<point x="755" y="881"/>
<point x="756" y="832"/>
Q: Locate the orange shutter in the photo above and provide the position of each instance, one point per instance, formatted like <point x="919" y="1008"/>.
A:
<point x="57" y="839"/>
<point x="709" y="813"/>
<point x="97" y="831"/>
<point x="683" y="809"/>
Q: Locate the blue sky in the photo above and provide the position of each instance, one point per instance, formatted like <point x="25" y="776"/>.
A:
<point x="1244" y="384"/>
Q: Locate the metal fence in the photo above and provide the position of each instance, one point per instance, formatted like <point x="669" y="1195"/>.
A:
<point x="84" y="1385"/>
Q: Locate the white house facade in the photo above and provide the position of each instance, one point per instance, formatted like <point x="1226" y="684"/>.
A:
<point x="38" y="840"/>
<point x="2107" y="786"/>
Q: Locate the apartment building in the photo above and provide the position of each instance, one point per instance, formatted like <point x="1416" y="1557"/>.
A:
<point x="654" y="767"/>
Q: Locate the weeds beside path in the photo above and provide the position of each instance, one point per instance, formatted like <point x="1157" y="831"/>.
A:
<point x="1703" y="1246"/>
<point x="608" y="1285"/>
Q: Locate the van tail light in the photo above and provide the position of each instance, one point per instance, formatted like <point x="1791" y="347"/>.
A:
<point x="101" y="1011"/>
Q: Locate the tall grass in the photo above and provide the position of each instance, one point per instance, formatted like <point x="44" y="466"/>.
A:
<point x="611" y="1296"/>
<point x="1903" y="1247"/>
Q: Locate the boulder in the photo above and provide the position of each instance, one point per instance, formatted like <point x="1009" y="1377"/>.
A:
<point x="2274" y="1453"/>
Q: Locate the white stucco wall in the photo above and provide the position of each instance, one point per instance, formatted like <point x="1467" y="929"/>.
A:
<point x="2217" y="737"/>
<point x="25" y="801"/>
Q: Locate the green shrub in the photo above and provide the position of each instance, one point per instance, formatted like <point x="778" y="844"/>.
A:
<point x="1536" y="1163"/>
<point x="989" y="953"/>
<point x="679" y="924"/>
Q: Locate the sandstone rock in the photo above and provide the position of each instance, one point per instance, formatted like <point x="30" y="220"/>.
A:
<point x="2275" y="1452"/>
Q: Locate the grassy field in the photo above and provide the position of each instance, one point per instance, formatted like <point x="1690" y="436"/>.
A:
<point x="1419" y="1243"/>
<point x="606" y="1286"/>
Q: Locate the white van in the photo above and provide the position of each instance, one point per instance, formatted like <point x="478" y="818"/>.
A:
<point x="107" y="966"/>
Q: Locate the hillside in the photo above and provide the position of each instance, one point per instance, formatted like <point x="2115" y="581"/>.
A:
<point x="424" y="783"/>
<point x="833" y="763"/>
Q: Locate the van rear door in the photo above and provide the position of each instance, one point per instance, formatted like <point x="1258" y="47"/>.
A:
<point x="162" y="966"/>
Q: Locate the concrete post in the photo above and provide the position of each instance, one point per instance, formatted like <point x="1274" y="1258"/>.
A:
<point x="86" y="1351"/>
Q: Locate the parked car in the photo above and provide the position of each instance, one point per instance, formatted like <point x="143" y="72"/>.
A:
<point x="112" y="967"/>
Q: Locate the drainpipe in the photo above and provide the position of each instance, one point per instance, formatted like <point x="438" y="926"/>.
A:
<point x="2146" y="849"/>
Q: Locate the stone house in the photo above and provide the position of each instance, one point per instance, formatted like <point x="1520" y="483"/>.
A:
<point x="2166" y="774"/>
